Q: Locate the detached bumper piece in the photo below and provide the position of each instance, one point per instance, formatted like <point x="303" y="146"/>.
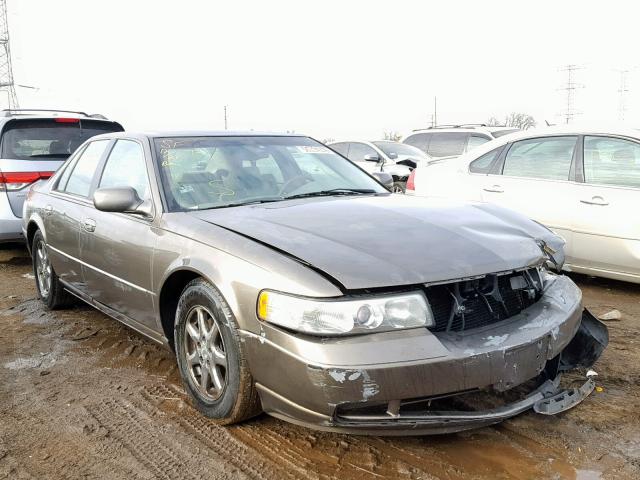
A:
<point x="548" y="399"/>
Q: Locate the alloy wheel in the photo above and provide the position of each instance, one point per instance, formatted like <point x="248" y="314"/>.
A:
<point x="206" y="358"/>
<point x="43" y="269"/>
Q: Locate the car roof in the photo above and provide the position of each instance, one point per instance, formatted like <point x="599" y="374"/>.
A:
<point x="573" y="129"/>
<point x="193" y="133"/>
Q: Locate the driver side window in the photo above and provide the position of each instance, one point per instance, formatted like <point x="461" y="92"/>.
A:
<point x="126" y="167"/>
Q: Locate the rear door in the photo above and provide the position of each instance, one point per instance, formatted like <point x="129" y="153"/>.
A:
<point x="31" y="149"/>
<point x="63" y="214"/>
<point x="117" y="248"/>
<point x="607" y="226"/>
<point x="534" y="177"/>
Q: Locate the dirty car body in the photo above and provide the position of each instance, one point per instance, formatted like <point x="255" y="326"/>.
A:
<point x="351" y="309"/>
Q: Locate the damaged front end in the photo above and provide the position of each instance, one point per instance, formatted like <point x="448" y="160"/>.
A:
<point x="417" y="416"/>
<point x="498" y="347"/>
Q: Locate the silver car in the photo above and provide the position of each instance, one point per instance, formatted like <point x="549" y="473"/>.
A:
<point x="33" y="144"/>
<point x="289" y="281"/>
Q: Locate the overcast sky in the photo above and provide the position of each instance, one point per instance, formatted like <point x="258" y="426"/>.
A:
<point x="337" y="69"/>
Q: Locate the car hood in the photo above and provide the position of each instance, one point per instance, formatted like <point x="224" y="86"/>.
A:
<point x="391" y="240"/>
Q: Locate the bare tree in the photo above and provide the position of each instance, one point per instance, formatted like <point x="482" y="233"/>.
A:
<point x="393" y="136"/>
<point x="514" y="119"/>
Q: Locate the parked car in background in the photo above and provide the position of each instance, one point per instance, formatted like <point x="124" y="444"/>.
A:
<point x="288" y="280"/>
<point x="394" y="158"/>
<point x="454" y="140"/>
<point x="584" y="184"/>
<point x="33" y="144"/>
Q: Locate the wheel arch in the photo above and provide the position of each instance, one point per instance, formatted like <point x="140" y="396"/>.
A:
<point x="175" y="282"/>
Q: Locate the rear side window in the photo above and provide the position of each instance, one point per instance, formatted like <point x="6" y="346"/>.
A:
<point x="49" y="139"/>
<point x="79" y="182"/>
<point x="447" y="144"/>
<point x="483" y="164"/>
<point x="419" y="140"/>
<point x="126" y="167"/>
<point x="545" y="158"/>
<point x="611" y="161"/>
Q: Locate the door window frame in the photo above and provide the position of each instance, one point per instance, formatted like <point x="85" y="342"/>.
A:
<point x="580" y="177"/>
<point x="88" y="199"/>
<point x="151" y="178"/>
<point x="572" y="167"/>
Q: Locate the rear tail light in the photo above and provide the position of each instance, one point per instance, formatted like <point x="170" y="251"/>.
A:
<point x="67" y="120"/>
<point x="411" y="181"/>
<point x="13" y="181"/>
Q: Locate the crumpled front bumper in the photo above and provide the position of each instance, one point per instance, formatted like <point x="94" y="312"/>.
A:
<point x="331" y="384"/>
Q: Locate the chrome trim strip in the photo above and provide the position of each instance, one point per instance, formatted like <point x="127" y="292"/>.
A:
<point x="113" y="277"/>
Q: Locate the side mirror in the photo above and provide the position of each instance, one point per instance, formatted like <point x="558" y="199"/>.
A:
<point x="371" y="157"/>
<point x="119" y="199"/>
<point x="393" y="155"/>
<point x="384" y="178"/>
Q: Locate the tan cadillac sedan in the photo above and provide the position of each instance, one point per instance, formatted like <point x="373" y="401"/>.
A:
<point x="288" y="280"/>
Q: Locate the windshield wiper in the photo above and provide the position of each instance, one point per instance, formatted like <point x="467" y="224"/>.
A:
<point x="248" y="202"/>
<point x="51" y="155"/>
<point x="331" y="192"/>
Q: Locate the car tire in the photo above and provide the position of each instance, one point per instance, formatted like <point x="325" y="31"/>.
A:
<point x="50" y="289"/>
<point x="210" y="356"/>
<point x="399" y="187"/>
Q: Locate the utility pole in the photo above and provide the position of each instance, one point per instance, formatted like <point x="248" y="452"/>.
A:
<point x="6" y="70"/>
<point x="622" y="91"/>
<point x="434" y="115"/>
<point x="569" y="89"/>
<point x="225" y="117"/>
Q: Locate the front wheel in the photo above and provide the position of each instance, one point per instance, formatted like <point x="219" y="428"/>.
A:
<point x="399" y="187"/>
<point x="210" y="357"/>
<point x="48" y="285"/>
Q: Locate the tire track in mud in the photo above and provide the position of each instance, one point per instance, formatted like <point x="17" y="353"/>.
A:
<point x="136" y="432"/>
<point x="215" y="437"/>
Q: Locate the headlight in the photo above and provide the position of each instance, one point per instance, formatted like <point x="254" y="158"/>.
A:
<point x="345" y="316"/>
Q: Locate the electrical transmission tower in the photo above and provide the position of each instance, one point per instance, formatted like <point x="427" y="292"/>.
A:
<point x="622" y="91"/>
<point x="6" y="72"/>
<point x="569" y="89"/>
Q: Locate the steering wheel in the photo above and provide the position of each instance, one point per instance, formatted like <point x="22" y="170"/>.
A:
<point x="293" y="183"/>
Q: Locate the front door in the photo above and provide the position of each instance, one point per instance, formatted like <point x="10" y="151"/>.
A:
<point x="118" y="247"/>
<point x="607" y="230"/>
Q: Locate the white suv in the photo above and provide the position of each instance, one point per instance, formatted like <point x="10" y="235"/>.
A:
<point x="454" y="140"/>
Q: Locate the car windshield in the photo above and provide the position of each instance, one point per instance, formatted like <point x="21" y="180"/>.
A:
<point x="50" y="139"/>
<point x="213" y="172"/>
<point x="392" y="149"/>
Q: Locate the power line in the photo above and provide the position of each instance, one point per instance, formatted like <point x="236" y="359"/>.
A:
<point x="623" y="90"/>
<point x="6" y="70"/>
<point x="570" y="87"/>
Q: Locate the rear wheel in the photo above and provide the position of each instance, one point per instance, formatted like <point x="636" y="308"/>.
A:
<point x="210" y="356"/>
<point x="48" y="285"/>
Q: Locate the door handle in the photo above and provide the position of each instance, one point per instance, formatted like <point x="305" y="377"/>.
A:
<point x="597" y="200"/>
<point x="48" y="210"/>
<point x="494" y="189"/>
<point x="89" y="225"/>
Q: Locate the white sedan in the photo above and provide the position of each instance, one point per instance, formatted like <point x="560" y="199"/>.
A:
<point x="584" y="184"/>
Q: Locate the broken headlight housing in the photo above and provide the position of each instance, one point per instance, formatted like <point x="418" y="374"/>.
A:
<point x="345" y="316"/>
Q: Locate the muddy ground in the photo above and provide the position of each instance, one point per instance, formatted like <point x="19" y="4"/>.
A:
<point x="82" y="396"/>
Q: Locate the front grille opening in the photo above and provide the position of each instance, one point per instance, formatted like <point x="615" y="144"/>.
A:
<point x="470" y="304"/>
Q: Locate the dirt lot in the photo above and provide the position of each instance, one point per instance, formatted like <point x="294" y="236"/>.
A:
<point x="83" y="397"/>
